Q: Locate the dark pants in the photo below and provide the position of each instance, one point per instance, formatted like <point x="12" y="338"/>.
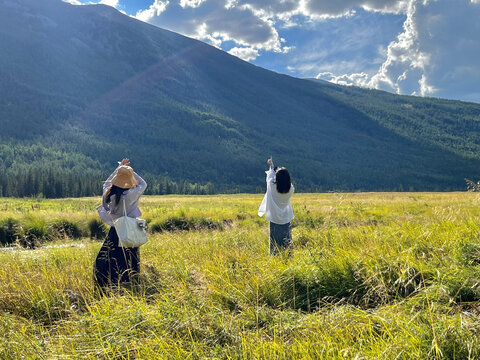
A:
<point x="280" y="238"/>
<point x="115" y="265"/>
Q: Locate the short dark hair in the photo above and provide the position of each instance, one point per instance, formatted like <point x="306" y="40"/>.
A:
<point x="282" y="179"/>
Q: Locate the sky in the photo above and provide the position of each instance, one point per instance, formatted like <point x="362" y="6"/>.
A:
<point x="411" y="47"/>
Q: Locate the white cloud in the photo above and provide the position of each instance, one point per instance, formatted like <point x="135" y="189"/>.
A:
<point x="112" y="3"/>
<point x="405" y="63"/>
<point x="191" y="3"/>
<point x="216" y="39"/>
<point x="436" y="54"/>
<point x="249" y="23"/>
<point x="155" y="10"/>
<point x="215" y="21"/>
<point x="443" y="51"/>
<point x="359" y="79"/>
<point x="271" y="8"/>
<point x="419" y="61"/>
<point x="73" y="2"/>
<point x="246" y="54"/>
<point x="322" y="8"/>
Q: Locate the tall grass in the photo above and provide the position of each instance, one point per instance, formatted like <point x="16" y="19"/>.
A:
<point x="373" y="276"/>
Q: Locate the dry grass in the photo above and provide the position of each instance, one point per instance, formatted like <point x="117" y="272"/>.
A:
<point x="373" y="276"/>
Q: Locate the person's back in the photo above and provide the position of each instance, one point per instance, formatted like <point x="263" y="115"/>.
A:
<point x="277" y="207"/>
<point x="282" y="188"/>
<point x="115" y="264"/>
<point x="117" y="191"/>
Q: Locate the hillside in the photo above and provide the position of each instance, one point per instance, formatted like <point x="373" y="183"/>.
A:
<point x="83" y="86"/>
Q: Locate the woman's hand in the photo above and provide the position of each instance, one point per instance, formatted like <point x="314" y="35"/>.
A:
<point x="125" y="162"/>
<point x="270" y="162"/>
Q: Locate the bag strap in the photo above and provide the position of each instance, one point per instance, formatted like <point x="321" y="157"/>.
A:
<point x="124" y="210"/>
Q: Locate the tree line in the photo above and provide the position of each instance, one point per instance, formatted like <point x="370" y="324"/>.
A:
<point x="52" y="182"/>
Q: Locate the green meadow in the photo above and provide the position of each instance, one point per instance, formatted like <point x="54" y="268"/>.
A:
<point x="372" y="276"/>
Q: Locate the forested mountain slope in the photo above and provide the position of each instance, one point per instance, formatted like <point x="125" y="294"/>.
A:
<point x="83" y="86"/>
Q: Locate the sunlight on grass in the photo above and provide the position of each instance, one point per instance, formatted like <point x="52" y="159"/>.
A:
<point x="376" y="276"/>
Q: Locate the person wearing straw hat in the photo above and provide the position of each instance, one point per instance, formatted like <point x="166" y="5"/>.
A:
<point x="277" y="208"/>
<point x="114" y="264"/>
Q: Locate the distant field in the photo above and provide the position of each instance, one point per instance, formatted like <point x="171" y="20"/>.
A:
<point x="373" y="276"/>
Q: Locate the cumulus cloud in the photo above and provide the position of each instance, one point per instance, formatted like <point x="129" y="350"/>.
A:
<point x="406" y="62"/>
<point x="191" y="3"/>
<point x="327" y="8"/>
<point x="215" y="21"/>
<point x="320" y="8"/>
<point x="155" y="10"/>
<point x="246" y="54"/>
<point x="249" y="24"/>
<point x="436" y="54"/>
<point x="359" y="79"/>
<point x="112" y="3"/>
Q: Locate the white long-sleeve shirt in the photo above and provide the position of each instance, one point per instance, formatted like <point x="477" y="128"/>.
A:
<point x="276" y="206"/>
<point x="110" y="211"/>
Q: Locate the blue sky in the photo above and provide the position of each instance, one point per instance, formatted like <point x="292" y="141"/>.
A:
<point x="413" y="47"/>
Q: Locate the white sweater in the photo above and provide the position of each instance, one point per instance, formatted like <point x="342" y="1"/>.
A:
<point x="110" y="211"/>
<point x="276" y="206"/>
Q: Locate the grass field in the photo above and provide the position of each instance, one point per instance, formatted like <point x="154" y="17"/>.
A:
<point x="373" y="276"/>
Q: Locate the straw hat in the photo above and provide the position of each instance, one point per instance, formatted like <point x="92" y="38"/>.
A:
<point x="124" y="177"/>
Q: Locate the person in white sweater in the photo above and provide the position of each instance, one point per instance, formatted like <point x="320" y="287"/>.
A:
<point x="115" y="265"/>
<point x="277" y="208"/>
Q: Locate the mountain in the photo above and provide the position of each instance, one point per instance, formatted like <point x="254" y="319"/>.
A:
<point x="83" y="86"/>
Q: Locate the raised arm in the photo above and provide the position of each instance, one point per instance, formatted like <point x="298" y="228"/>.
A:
<point x="271" y="172"/>
<point x="142" y="185"/>
<point x="270" y="162"/>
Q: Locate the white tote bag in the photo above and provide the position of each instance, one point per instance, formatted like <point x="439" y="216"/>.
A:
<point x="131" y="231"/>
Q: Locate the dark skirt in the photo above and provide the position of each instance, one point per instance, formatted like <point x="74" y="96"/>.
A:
<point x="115" y="265"/>
<point x="280" y="238"/>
